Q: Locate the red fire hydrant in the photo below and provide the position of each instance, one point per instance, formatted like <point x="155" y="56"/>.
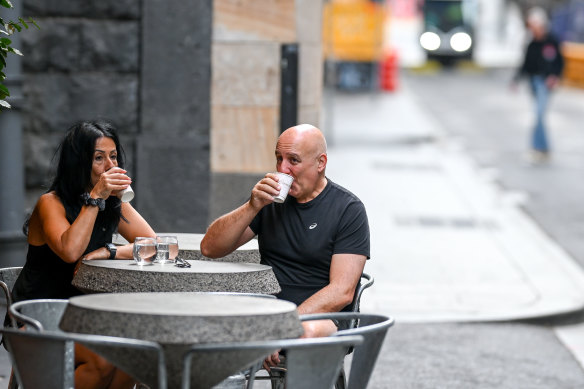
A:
<point x="388" y="71"/>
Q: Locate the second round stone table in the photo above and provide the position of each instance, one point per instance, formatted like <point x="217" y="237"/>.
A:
<point x="177" y="320"/>
<point x="125" y="276"/>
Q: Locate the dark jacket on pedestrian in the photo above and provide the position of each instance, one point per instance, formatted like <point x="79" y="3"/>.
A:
<point x="542" y="58"/>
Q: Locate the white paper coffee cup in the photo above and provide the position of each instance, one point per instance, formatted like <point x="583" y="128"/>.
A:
<point x="126" y="195"/>
<point x="285" y="181"/>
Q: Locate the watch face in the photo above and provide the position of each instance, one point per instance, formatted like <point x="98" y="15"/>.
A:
<point x="112" y="250"/>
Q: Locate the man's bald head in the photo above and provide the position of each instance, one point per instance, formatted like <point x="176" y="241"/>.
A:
<point x="309" y="138"/>
<point x="301" y="153"/>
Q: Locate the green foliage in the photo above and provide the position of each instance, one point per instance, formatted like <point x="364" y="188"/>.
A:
<point x="8" y="28"/>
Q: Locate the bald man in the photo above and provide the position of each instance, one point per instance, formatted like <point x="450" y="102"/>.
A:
<point x="316" y="242"/>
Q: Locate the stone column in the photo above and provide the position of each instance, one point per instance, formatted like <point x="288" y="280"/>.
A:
<point x="172" y="170"/>
<point x="12" y="240"/>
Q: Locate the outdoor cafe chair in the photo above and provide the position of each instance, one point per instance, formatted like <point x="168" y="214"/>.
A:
<point x="40" y="314"/>
<point x="365" y="282"/>
<point x="277" y="374"/>
<point x="44" y="316"/>
<point x="41" y="360"/>
<point x="312" y="363"/>
<point x="373" y="328"/>
<point x="8" y="276"/>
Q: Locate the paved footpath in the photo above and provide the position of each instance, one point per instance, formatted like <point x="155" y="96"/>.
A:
<point x="453" y="255"/>
<point x="448" y="243"/>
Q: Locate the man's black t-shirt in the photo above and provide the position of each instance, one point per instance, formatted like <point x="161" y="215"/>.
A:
<point x="298" y="240"/>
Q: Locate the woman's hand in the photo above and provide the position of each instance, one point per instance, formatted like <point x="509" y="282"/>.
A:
<point x="111" y="182"/>
<point x="101" y="253"/>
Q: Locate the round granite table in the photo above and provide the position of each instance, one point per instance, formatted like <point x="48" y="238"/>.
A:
<point x="121" y="276"/>
<point x="176" y="321"/>
<point x="189" y="247"/>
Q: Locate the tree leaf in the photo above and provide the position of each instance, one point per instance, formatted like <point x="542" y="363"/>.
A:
<point x="15" y="25"/>
<point x="4" y="92"/>
<point x="23" y="23"/>
<point x="6" y="3"/>
<point x="15" y="51"/>
<point x="5" y="41"/>
<point x="4" y="103"/>
<point x="31" y="20"/>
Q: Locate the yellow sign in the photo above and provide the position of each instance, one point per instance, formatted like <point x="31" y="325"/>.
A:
<point x="353" y="30"/>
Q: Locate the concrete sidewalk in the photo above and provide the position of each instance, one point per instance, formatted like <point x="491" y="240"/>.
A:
<point x="454" y="256"/>
<point x="448" y="244"/>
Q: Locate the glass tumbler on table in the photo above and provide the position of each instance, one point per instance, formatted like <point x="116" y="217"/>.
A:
<point x="144" y="250"/>
<point x="166" y="249"/>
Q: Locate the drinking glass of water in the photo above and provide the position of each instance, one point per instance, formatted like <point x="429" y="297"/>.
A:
<point x="144" y="250"/>
<point x="166" y="249"/>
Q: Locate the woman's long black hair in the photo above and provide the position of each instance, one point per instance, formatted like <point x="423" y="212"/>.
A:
<point x="73" y="175"/>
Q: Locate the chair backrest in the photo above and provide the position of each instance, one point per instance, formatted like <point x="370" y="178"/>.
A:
<point x="8" y="276"/>
<point x="373" y="328"/>
<point x="41" y="314"/>
<point x="365" y="282"/>
<point x="143" y="360"/>
<point x="41" y="360"/>
<point x="311" y="363"/>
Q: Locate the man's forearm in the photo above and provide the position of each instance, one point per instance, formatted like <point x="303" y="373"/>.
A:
<point x="346" y="270"/>
<point x="328" y="299"/>
<point x="225" y="234"/>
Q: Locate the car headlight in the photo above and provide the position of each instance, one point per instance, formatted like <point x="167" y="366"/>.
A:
<point x="460" y="42"/>
<point x="430" y="41"/>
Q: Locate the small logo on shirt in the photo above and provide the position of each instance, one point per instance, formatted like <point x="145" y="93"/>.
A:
<point x="549" y="53"/>
<point x="312" y="226"/>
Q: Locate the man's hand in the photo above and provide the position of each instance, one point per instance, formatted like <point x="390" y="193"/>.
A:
<point x="264" y="191"/>
<point x="272" y="360"/>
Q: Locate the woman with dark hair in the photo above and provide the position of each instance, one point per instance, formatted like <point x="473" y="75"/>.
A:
<point x="75" y="219"/>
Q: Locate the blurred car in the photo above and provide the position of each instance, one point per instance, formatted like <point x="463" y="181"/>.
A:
<point x="448" y="30"/>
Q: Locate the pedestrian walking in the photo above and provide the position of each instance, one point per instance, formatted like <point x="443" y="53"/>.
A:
<point x="542" y="65"/>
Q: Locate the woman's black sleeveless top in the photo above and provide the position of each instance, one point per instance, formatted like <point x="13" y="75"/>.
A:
<point x="46" y="276"/>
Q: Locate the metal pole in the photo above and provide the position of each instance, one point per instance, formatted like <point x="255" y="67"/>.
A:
<point x="12" y="240"/>
<point x="329" y="88"/>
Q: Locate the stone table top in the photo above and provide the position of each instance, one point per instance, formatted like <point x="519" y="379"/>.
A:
<point x="189" y="246"/>
<point x="122" y="276"/>
<point x="177" y="320"/>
